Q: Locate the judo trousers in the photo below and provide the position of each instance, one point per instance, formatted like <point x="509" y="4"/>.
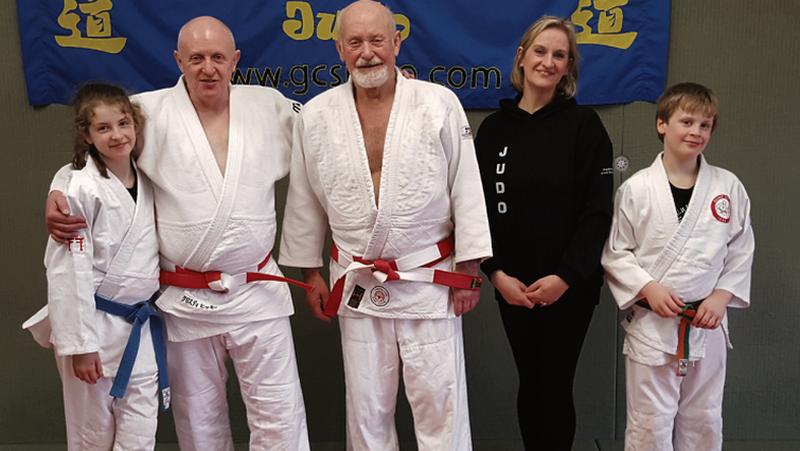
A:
<point x="97" y="421"/>
<point x="546" y="343"/>
<point x="263" y="357"/>
<point x="663" y="407"/>
<point x="430" y="355"/>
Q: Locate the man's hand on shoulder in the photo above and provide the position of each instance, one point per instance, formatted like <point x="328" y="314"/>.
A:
<point x="61" y="225"/>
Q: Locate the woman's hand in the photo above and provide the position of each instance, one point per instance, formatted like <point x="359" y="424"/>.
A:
<point x="511" y="288"/>
<point x="546" y="290"/>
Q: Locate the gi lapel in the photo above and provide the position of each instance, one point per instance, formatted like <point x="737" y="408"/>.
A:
<point x="666" y="204"/>
<point x="141" y="218"/>
<point x="196" y="138"/>
<point x="391" y="144"/>
<point x="229" y="183"/>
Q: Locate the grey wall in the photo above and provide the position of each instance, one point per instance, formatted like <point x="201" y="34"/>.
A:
<point x="746" y="50"/>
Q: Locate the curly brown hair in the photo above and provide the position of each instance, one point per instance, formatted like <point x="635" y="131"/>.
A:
<point x="88" y="97"/>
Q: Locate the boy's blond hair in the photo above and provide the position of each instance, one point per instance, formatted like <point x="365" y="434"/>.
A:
<point x="689" y="97"/>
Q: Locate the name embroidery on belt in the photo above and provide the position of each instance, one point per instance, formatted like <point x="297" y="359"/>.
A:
<point x="191" y="302"/>
<point x="500" y="185"/>
<point x="355" y="298"/>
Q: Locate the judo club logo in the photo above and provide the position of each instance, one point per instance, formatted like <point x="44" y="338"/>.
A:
<point x="379" y="296"/>
<point x="721" y="208"/>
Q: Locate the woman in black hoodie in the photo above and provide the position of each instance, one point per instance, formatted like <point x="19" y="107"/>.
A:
<point x="546" y="169"/>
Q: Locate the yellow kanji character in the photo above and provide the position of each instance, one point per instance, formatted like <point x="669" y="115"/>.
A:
<point x="98" y="27"/>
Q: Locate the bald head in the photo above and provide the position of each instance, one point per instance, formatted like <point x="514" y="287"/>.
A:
<point x="207" y="57"/>
<point x="206" y="28"/>
<point x="369" y="10"/>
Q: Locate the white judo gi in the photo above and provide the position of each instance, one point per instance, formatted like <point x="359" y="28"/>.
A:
<point x="117" y="258"/>
<point x="210" y="222"/>
<point x="430" y="189"/>
<point x="711" y="248"/>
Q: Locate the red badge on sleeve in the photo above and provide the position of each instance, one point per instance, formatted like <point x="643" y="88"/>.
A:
<point x="76" y="244"/>
<point x="721" y="208"/>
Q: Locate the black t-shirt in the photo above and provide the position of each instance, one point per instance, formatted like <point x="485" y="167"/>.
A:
<point x="682" y="196"/>
<point x="134" y="189"/>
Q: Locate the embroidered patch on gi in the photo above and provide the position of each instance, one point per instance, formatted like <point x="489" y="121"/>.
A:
<point x="355" y="298"/>
<point x="379" y="296"/>
<point x="466" y="132"/>
<point x="721" y="208"/>
<point x="76" y="244"/>
<point x="196" y="304"/>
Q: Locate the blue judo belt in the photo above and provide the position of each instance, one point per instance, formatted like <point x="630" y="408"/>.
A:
<point x="137" y="314"/>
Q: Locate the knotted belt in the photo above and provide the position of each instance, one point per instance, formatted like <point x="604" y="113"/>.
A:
<point x="221" y="282"/>
<point x="416" y="267"/>
<point x="687" y="314"/>
<point x="137" y="314"/>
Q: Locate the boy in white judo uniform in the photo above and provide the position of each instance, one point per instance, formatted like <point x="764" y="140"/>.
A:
<point x="679" y="253"/>
<point x="214" y="152"/>
<point x="99" y="318"/>
<point x="389" y="164"/>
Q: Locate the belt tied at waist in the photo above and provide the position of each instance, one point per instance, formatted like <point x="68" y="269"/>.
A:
<point x="137" y="314"/>
<point x="687" y="314"/>
<point x="415" y="267"/>
<point x="219" y="281"/>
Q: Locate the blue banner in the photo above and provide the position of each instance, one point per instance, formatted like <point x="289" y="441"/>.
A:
<point x="466" y="45"/>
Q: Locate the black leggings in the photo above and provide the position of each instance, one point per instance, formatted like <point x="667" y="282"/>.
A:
<point x="546" y="343"/>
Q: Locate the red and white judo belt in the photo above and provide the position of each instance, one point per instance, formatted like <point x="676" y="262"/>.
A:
<point x="221" y="282"/>
<point x="415" y="267"/>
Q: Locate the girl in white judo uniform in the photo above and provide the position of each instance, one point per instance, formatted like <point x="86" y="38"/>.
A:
<point x="679" y="253"/>
<point x="107" y="363"/>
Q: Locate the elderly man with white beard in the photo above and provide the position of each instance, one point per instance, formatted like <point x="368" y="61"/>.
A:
<point x="389" y="165"/>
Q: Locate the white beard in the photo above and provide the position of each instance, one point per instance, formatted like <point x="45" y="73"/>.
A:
<point x="372" y="79"/>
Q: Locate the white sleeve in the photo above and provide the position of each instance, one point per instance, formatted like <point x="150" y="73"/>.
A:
<point x="304" y="220"/>
<point x="61" y="179"/>
<point x="735" y="275"/>
<point x="70" y="283"/>
<point x="625" y="276"/>
<point x="287" y="111"/>
<point x="467" y="204"/>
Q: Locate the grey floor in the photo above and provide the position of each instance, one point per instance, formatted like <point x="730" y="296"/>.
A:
<point x="584" y="445"/>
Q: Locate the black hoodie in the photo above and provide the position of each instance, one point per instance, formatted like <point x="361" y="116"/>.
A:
<point x="548" y="184"/>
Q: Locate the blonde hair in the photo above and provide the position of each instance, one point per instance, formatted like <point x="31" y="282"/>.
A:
<point x="569" y="82"/>
<point x="689" y="97"/>
<point x="87" y="98"/>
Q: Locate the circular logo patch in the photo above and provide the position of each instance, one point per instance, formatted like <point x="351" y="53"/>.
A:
<point x="621" y="163"/>
<point x="379" y="296"/>
<point x="721" y="208"/>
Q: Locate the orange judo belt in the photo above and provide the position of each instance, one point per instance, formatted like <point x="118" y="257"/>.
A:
<point x="687" y="314"/>
<point x="415" y="267"/>
<point x="221" y="282"/>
